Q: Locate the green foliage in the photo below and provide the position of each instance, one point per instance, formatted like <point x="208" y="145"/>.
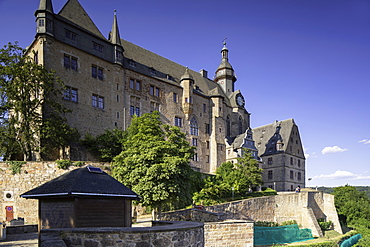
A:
<point x="353" y="208"/>
<point x="16" y="166"/>
<point x="64" y="164"/>
<point x="106" y="146"/>
<point x="28" y="95"/>
<point x="324" y="225"/>
<point x="79" y="163"/>
<point x="266" y="224"/>
<point x="232" y="181"/>
<point x="289" y="222"/>
<point x="155" y="163"/>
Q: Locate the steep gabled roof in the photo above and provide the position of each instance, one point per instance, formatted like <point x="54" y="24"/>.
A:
<point x="267" y="136"/>
<point x="74" y="12"/>
<point x="82" y="182"/>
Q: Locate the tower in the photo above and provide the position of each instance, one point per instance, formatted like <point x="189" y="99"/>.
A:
<point x="45" y="17"/>
<point x="115" y="38"/>
<point x="187" y="83"/>
<point x="225" y="75"/>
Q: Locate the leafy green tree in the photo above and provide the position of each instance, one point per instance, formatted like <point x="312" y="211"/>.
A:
<point x="231" y="178"/>
<point x="353" y="208"/>
<point x="155" y="163"/>
<point x="29" y="95"/>
<point x="107" y="145"/>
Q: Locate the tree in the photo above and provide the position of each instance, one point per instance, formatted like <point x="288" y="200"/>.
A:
<point x="107" y="145"/>
<point x="29" y="108"/>
<point x="230" y="178"/>
<point x="155" y="163"/>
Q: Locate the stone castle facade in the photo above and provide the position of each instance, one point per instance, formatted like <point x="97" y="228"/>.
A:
<point x="109" y="80"/>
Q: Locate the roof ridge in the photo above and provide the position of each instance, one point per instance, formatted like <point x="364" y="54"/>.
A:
<point x="74" y="12"/>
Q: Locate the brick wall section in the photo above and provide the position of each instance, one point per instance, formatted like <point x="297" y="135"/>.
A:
<point x="229" y="233"/>
<point x="32" y="174"/>
<point x="190" y="234"/>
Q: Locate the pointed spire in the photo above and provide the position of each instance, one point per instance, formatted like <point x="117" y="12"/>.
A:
<point x="225" y="52"/>
<point x="45" y="5"/>
<point x="187" y="75"/>
<point x="114" y="35"/>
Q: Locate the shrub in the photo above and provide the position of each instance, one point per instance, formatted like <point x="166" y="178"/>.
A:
<point x="16" y="166"/>
<point x="324" y="225"/>
<point x="64" y="164"/>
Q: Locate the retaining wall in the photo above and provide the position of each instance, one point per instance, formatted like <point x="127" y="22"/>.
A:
<point x="169" y="234"/>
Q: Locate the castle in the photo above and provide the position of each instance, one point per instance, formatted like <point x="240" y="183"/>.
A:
<point x="109" y="80"/>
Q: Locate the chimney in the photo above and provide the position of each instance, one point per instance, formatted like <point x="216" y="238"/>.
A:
<point x="204" y="73"/>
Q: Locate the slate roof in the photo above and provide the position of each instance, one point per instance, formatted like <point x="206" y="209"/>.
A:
<point x="74" y="12"/>
<point x="81" y="182"/>
<point x="267" y="136"/>
<point x="145" y="59"/>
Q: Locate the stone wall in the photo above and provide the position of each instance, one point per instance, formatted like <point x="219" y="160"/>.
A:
<point x="169" y="234"/>
<point x="32" y="174"/>
<point x="191" y="214"/>
<point x="229" y="233"/>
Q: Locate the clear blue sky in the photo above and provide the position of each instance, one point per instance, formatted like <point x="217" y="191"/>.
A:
<point x="307" y="59"/>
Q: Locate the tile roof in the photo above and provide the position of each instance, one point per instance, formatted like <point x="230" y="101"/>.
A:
<point x="81" y="182"/>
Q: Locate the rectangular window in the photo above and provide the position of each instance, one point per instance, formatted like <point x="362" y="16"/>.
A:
<point x="135" y="84"/>
<point x="291" y="161"/>
<point x="117" y="114"/>
<point x="207" y="144"/>
<point x="97" y="72"/>
<point x="132" y="110"/>
<point x="208" y="128"/>
<point x="97" y="47"/>
<point x="269" y="161"/>
<point x="98" y="101"/>
<point x="154" y="91"/>
<point x="269" y="173"/>
<point x="41" y="22"/>
<point x="157" y="92"/>
<point x="70" y="94"/>
<point x="207" y="158"/>
<point x="204" y="108"/>
<point x="154" y="106"/>
<point x="137" y="111"/>
<point x="70" y="35"/>
<point x="299" y="176"/>
<point x="178" y="121"/>
<point x="195" y="142"/>
<point x="175" y="97"/>
<point x="100" y="73"/>
<point x="291" y="175"/>
<point x="195" y="157"/>
<point x="299" y="163"/>
<point x="70" y="62"/>
<point x="94" y="71"/>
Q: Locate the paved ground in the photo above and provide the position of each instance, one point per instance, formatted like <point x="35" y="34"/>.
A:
<point x="18" y="240"/>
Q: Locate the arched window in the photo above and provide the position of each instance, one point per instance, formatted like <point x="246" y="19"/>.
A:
<point x="193" y="127"/>
<point x="240" y="123"/>
<point x="228" y="126"/>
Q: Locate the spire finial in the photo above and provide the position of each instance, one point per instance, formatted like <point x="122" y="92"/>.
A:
<point x="224" y="43"/>
<point x="115" y="12"/>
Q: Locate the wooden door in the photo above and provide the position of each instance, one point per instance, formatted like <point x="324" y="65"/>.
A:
<point x="9" y="213"/>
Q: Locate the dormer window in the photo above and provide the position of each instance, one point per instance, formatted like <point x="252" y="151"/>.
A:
<point x="97" y="47"/>
<point x="70" y="35"/>
<point x="132" y="63"/>
<point x="152" y="71"/>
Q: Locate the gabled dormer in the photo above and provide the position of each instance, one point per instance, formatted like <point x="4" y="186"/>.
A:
<point x="45" y="18"/>
<point x="115" y="39"/>
<point x="225" y="75"/>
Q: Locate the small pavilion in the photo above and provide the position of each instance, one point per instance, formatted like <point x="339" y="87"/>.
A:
<point x="84" y="197"/>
